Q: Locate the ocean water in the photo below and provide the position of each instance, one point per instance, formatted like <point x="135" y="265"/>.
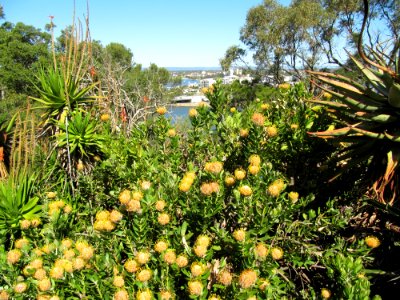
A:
<point x="178" y="113"/>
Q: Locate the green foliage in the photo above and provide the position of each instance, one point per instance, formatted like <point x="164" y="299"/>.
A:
<point x="17" y="203"/>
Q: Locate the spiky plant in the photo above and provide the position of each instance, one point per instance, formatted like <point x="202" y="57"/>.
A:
<point x="369" y="118"/>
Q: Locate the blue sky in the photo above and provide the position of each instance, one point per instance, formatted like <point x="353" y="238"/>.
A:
<point x="174" y="33"/>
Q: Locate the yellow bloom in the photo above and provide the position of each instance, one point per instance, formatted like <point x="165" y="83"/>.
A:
<point x="69" y="254"/>
<point x="67" y="208"/>
<point x="78" y="263"/>
<point x="40" y="274"/>
<point x="254" y="160"/>
<point x="25" y="224"/>
<point x="224" y="277"/>
<point x="258" y="119"/>
<point x="276" y="187"/>
<point x="200" y="250"/>
<point x="171" y="132"/>
<point x="203" y="240"/>
<point x="253" y="169"/>
<point x="67" y="243"/>
<point x="170" y="256"/>
<point x="272" y="131"/>
<point x="206" y="189"/>
<point x="197" y="269"/>
<point x="133" y="206"/>
<point x="213" y="167"/>
<point x="143" y="257"/>
<point x="144" y="295"/>
<point x="214" y="297"/>
<point x="261" y="250"/>
<point x="37" y="263"/>
<point x="193" y="113"/>
<point x="104" y="117"/>
<point x="21" y="243"/>
<point x="44" y="284"/>
<point x="118" y="281"/>
<point x="87" y="253"/>
<point x="162" y="110"/>
<point x="182" y="261"/>
<point x="327" y="96"/>
<point x="4" y="295"/>
<point x="145" y="185"/>
<point x="57" y="272"/>
<point x="284" y="86"/>
<point x="245" y="190"/>
<point x="325" y="293"/>
<point x="163" y="218"/>
<point x="165" y="295"/>
<point x="276" y="253"/>
<point x="144" y="275"/>
<point x="131" y="266"/>
<point x="293" y="196"/>
<point x="102" y="215"/>
<point x="51" y="195"/>
<point x="233" y="109"/>
<point x="265" y="106"/>
<point x="115" y="216"/>
<point x="35" y="222"/>
<point x="124" y="197"/>
<point x="160" y="205"/>
<point x="195" y="287"/>
<point x="247" y="278"/>
<point x="239" y="234"/>
<point x="137" y="195"/>
<point x="372" y="241"/>
<point x="244" y="132"/>
<point x="229" y="180"/>
<point x="121" y="295"/>
<point x="13" y="256"/>
<point x="20" y="287"/>
<point x="161" y="246"/>
<point x="240" y="174"/>
<point x="184" y="185"/>
<point x="294" y="126"/>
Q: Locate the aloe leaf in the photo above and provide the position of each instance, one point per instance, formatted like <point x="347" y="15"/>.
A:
<point x="328" y="103"/>
<point x="368" y="133"/>
<point x="394" y="138"/>
<point x="332" y="133"/>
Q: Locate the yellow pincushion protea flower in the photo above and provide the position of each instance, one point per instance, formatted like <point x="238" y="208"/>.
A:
<point x="131" y="266"/>
<point x="229" y="180"/>
<point x="276" y="253"/>
<point x="51" y="195"/>
<point x="265" y="106"/>
<point x="197" y="269"/>
<point x="124" y="197"/>
<point x="284" y="86"/>
<point x="40" y="274"/>
<point x="121" y="295"/>
<point x="239" y="234"/>
<point x="200" y="250"/>
<point x="143" y="257"/>
<point x="261" y="251"/>
<point x="203" y="240"/>
<point x="171" y="132"/>
<point x="133" y="206"/>
<point x="21" y="243"/>
<point x="69" y="254"/>
<point x="244" y="132"/>
<point x="104" y="117"/>
<point x="272" y="131"/>
<point x="13" y="256"/>
<point x="137" y="195"/>
<point x="182" y="261"/>
<point x="160" y="205"/>
<point x="103" y="215"/>
<point x="225" y="277"/>
<point x="67" y="243"/>
<point x="166" y="295"/>
<point x="4" y="295"/>
<point x="213" y="167"/>
<point x="118" y="281"/>
<point x="195" y="287"/>
<point x="78" y="263"/>
<point x="145" y="185"/>
<point x="240" y="174"/>
<point x="145" y="294"/>
<point x="372" y="241"/>
<point x="245" y="190"/>
<point x="37" y="263"/>
<point x="325" y="293"/>
<point x="20" y="287"/>
<point x="193" y="113"/>
<point x="44" y="284"/>
<point x="247" y="278"/>
<point x="276" y="188"/>
<point x="161" y="246"/>
<point x="87" y="252"/>
<point x="293" y="196"/>
<point x="214" y="297"/>
<point x="144" y="275"/>
<point x="57" y="272"/>
<point x="25" y="224"/>
<point x="206" y="189"/>
<point x="162" y="110"/>
<point x="115" y="216"/>
<point x="254" y="160"/>
<point x="163" y="219"/>
<point x="258" y="119"/>
<point x="254" y="170"/>
<point x="170" y="256"/>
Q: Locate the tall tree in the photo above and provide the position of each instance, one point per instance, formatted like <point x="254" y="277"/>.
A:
<point x="23" y="49"/>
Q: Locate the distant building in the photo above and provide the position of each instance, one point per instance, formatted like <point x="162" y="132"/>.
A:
<point x="206" y="82"/>
<point x="190" y="99"/>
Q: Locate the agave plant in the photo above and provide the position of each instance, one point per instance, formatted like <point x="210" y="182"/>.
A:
<point x="58" y="91"/>
<point x="369" y="118"/>
<point x="78" y="132"/>
<point x="17" y="203"/>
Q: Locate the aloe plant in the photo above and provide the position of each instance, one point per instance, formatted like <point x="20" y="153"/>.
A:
<point x="17" y="203"/>
<point x="368" y="116"/>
